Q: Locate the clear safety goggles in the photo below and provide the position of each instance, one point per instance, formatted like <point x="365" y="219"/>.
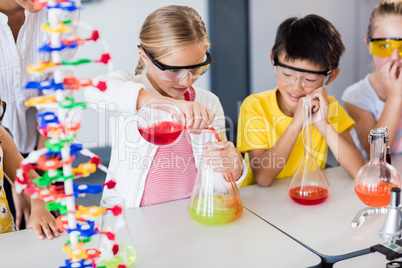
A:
<point x="309" y="79"/>
<point x="384" y="47"/>
<point x="178" y="73"/>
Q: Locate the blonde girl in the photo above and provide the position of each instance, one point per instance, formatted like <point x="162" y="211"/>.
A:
<point x="173" y="54"/>
<point x="376" y="100"/>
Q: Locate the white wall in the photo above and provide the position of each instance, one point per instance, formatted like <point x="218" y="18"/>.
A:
<point x="119" y="23"/>
<point x="350" y="17"/>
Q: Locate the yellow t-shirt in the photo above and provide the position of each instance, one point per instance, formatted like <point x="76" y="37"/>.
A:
<point x="261" y="123"/>
<point x="6" y="218"/>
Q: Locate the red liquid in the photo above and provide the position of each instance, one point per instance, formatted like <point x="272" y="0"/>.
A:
<point x="161" y="133"/>
<point x="308" y="195"/>
<point x="377" y="195"/>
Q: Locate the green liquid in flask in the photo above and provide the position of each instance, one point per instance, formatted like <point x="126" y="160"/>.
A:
<point x="224" y="210"/>
<point x="127" y="251"/>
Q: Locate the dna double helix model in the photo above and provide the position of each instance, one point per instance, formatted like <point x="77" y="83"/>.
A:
<point x="59" y="122"/>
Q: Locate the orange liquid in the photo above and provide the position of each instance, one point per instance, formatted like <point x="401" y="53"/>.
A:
<point x="375" y="196"/>
<point x="308" y="195"/>
<point x="161" y="133"/>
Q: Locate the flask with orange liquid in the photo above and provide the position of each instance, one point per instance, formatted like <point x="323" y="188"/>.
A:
<point x="374" y="181"/>
<point x="309" y="185"/>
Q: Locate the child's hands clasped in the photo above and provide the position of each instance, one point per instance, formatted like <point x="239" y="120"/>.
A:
<point x="320" y="104"/>
<point x="224" y="157"/>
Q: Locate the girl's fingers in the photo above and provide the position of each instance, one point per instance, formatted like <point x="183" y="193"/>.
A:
<point x="47" y="232"/>
<point x="205" y="119"/>
<point x="210" y="116"/>
<point x="54" y="229"/>
<point x="220" y="170"/>
<point x="198" y="117"/>
<point x="393" y="70"/>
<point x="189" y="118"/>
<point x="38" y="231"/>
<point x="385" y="70"/>
<point x="217" y="148"/>
<point x="223" y="157"/>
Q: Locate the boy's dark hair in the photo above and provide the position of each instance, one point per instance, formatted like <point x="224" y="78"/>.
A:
<point x="311" y="38"/>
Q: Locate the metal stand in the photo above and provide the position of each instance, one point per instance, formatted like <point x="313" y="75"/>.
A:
<point x="360" y="216"/>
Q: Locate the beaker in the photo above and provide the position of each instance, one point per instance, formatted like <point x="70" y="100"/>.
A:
<point x="160" y="121"/>
<point x="115" y="240"/>
<point x="309" y="185"/>
<point x="215" y="199"/>
<point x="374" y="180"/>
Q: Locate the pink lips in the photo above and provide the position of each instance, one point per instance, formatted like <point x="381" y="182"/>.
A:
<point x="293" y="98"/>
<point x="180" y="90"/>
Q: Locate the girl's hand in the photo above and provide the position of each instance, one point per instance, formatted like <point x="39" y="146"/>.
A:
<point x="320" y="105"/>
<point x="197" y="115"/>
<point x="224" y="157"/>
<point x="391" y="77"/>
<point x="42" y="221"/>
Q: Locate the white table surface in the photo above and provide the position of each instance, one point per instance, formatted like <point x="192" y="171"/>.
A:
<point x="324" y="227"/>
<point x="165" y="236"/>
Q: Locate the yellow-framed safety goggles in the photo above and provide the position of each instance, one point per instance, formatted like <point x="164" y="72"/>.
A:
<point x="384" y="47"/>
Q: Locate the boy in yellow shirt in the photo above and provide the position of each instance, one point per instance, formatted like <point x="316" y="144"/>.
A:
<point x="305" y="57"/>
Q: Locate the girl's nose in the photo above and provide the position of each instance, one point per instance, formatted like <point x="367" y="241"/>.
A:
<point x="186" y="80"/>
<point x="396" y="55"/>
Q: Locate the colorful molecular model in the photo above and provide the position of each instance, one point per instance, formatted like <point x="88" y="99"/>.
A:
<point x="57" y="120"/>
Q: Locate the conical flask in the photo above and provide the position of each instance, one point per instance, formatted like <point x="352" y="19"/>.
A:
<point x="160" y="121"/>
<point x="215" y="199"/>
<point x="115" y="241"/>
<point x="374" y="180"/>
<point x="309" y="185"/>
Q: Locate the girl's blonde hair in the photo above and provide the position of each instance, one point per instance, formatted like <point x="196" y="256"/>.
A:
<point x="384" y="8"/>
<point x="170" y="29"/>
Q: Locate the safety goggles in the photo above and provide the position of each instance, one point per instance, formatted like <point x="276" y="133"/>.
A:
<point x="309" y="79"/>
<point x="177" y="73"/>
<point x="384" y="47"/>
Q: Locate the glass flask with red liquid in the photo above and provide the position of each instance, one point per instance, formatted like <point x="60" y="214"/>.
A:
<point x="309" y="185"/>
<point x="374" y="180"/>
<point x="215" y="199"/>
<point x="160" y="121"/>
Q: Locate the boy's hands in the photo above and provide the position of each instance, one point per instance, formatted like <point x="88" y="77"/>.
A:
<point x="320" y="104"/>
<point x="297" y="120"/>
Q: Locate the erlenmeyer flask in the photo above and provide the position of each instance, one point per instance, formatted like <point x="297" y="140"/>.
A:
<point x="309" y="185"/>
<point x="115" y="240"/>
<point x="374" y="180"/>
<point x="215" y="199"/>
<point x="160" y="121"/>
